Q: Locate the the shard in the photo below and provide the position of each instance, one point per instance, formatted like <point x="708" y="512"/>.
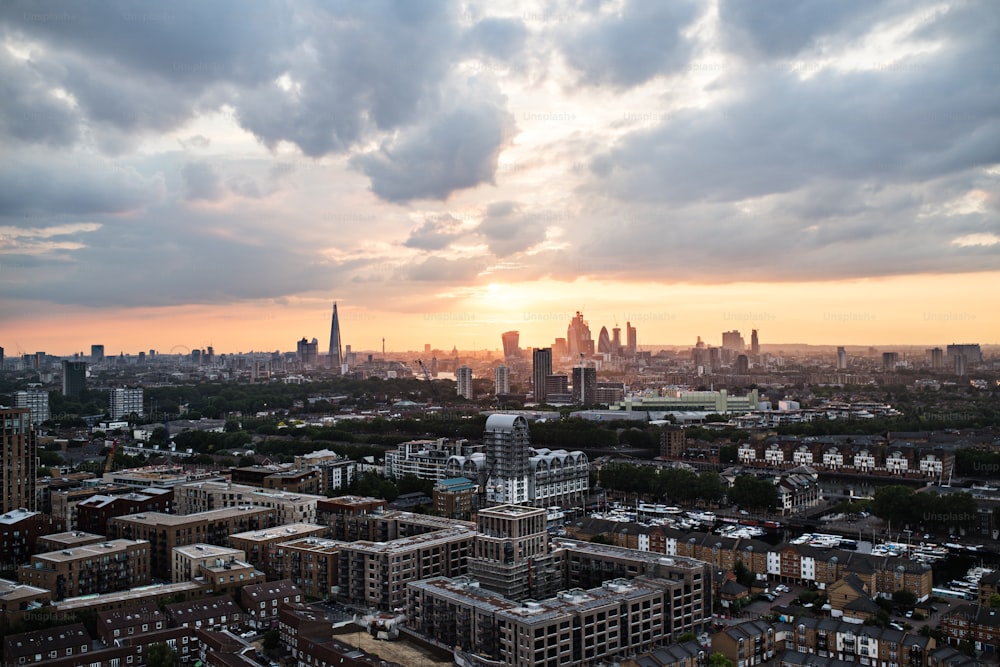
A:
<point x="336" y="354"/>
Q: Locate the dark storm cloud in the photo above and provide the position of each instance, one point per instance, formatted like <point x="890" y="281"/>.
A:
<point x="29" y="111"/>
<point x="643" y="41"/>
<point x="454" y="150"/>
<point x="783" y="28"/>
<point x="327" y="78"/>
<point x="786" y="132"/>
<point x="36" y="188"/>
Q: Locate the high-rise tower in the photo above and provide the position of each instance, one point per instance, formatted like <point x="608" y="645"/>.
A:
<point x="541" y="368"/>
<point x="336" y="355"/>
<point x="510" y="344"/>
<point x="19" y="452"/>
<point x="631" y="340"/>
<point x="754" y="344"/>
<point x="506" y="443"/>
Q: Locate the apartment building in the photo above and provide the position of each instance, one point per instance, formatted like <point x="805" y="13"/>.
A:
<point x="187" y="560"/>
<point x="204" y="496"/>
<point x="215" y="613"/>
<point x="347" y="517"/>
<point x="311" y="564"/>
<point x="166" y="531"/>
<point x="18" y="460"/>
<point x="92" y="514"/>
<point x="746" y="644"/>
<point x="375" y="574"/>
<point x="43" y="646"/>
<point x="260" y="545"/>
<point x="105" y="567"/>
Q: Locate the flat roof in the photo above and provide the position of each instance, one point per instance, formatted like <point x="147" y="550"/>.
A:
<point x="202" y="550"/>
<point x="141" y="593"/>
<point x="161" y="519"/>
<point x="288" y="531"/>
<point x="88" y="550"/>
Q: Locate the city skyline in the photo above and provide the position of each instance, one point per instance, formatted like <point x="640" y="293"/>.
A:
<point x="219" y="175"/>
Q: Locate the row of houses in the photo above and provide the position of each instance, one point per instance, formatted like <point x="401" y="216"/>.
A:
<point x="787" y="563"/>
<point x="201" y="630"/>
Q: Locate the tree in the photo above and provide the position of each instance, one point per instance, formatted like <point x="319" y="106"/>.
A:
<point x="749" y="491"/>
<point x="993" y="602"/>
<point x="687" y="637"/>
<point x="743" y="574"/>
<point x="272" y="640"/>
<point x="601" y="538"/>
<point x="904" y="598"/>
<point x="160" y="655"/>
<point x="719" y="660"/>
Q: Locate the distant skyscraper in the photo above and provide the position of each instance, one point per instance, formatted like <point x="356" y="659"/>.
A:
<point x="463" y="382"/>
<point x="35" y="400"/>
<point x="307" y="351"/>
<point x="841" y="359"/>
<point x="971" y="352"/>
<point x="754" y="344"/>
<point x="889" y="361"/>
<point x="584" y="385"/>
<point x="124" y="401"/>
<point x="541" y="368"/>
<point x="511" y="342"/>
<point x="335" y="354"/>
<point x="96" y="354"/>
<point x="578" y="337"/>
<point x="631" y="340"/>
<point x="616" y="340"/>
<point x="742" y="364"/>
<point x="19" y="453"/>
<point x="74" y="378"/>
<point x="936" y="355"/>
<point x="501" y="375"/>
<point x="604" y="342"/>
<point x="733" y="340"/>
<point x="959" y="362"/>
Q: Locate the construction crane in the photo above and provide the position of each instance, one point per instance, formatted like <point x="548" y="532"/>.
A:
<point x="427" y="376"/>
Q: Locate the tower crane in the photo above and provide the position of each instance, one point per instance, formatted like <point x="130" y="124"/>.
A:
<point x="427" y="376"/>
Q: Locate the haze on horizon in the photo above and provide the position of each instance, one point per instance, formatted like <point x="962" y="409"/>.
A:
<point x="219" y="173"/>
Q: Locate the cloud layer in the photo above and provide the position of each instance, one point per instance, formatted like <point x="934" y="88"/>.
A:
<point x="210" y="153"/>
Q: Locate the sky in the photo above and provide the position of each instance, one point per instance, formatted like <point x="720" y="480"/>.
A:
<point x="192" y="173"/>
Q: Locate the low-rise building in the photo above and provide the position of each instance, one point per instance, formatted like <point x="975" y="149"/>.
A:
<point x="746" y="644"/>
<point x="133" y="620"/>
<point x="215" y="613"/>
<point x="976" y="623"/>
<point x="43" y="646"/>
<point x="262" y="601"/>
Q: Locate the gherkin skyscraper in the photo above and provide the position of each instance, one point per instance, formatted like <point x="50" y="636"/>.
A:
<point x="336" y="354"/>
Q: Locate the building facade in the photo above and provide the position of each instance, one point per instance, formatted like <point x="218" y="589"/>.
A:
<point x="19" y="458"/>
